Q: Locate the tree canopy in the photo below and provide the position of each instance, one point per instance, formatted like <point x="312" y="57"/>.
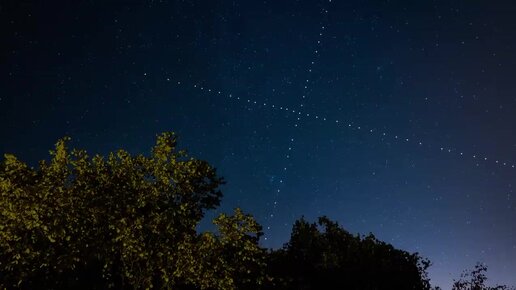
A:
<point x="323" y="255"/>
<point x="126" y="221"/>
<point x="120" y="221"/>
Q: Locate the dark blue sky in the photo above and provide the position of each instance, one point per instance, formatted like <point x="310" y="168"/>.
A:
<point x="440" y="74"/>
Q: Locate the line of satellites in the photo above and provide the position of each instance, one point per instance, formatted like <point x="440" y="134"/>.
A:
<point x="355" y="126"/>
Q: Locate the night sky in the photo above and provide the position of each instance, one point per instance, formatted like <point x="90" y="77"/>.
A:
<point x="391" y="117"/>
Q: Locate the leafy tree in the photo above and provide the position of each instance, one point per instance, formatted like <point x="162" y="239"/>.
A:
<point x="322" y="255"/>
<point x="121" y="221"/>
<point x="475" y="280"/>
<point x="235" y="252"/>
<point x="129" y="222"/>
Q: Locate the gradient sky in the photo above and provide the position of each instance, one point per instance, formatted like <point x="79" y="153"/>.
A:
<point x="391" y="117"/>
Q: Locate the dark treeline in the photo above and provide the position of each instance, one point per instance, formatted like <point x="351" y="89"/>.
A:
<point x="129" y="222"/>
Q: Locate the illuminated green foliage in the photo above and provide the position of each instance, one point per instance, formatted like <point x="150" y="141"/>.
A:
<point x="120" y="221"/>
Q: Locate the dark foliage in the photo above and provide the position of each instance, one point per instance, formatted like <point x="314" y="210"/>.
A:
<point x="322" y="255"/>
<point x="476" y="280"/>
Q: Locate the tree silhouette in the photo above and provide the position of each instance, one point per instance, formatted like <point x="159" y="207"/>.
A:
<point x="322" y="255"/>
<point x="475" y="280"/>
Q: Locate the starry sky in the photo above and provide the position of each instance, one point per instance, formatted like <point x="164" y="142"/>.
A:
<point x="391" y="117"/>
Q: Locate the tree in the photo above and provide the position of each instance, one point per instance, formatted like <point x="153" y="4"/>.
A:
<point x="235" y="255"/>
<point x="322" y="255"/>
<point x="130" y="222"/>
<point x="475" y="280"/>
<point x="120" y="221"/>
